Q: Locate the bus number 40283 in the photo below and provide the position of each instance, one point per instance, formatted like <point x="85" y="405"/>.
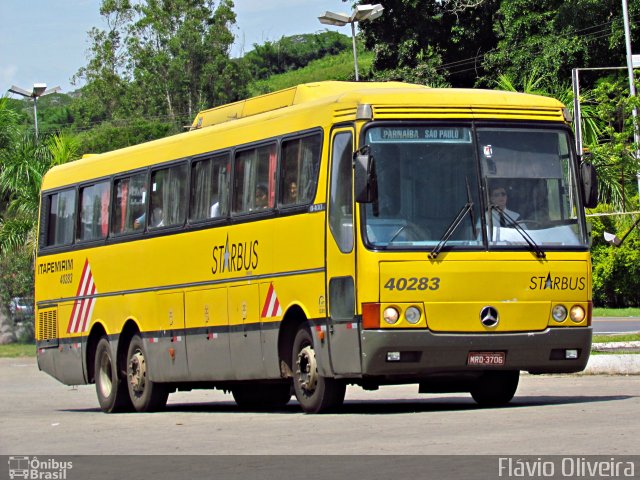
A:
<point x="412" y="283"/>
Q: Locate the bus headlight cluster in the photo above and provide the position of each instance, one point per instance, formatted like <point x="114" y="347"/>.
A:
<point x="559" y="313"/>
<point x="392" y="315"/>
<point x="412" y="315"/>
<point x="576" y="313"/>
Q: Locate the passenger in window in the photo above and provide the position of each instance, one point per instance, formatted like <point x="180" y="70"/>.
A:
<point x="292" y="193"/>
<point x="157" y="219"/>
<point x="138" y="223"/>
<point x="261" y="200"/>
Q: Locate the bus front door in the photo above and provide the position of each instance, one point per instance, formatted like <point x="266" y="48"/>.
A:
<point x="344" y="337"/>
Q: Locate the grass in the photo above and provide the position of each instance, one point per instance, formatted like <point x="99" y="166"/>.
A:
<point x="15" y="350"/>
<point x="631" y="337"/>
<point x="616" y="312"/>
<point x="331" y="67"/>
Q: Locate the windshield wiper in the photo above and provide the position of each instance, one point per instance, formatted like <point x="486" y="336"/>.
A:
<point x="468" y="207"/>
<point x="523" y="233"/>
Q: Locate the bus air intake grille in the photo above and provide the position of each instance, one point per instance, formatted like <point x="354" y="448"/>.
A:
<point x="47" y="324"/>
<point x="422" y="111"/>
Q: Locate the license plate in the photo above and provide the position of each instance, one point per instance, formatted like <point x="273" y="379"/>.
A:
<point x="486" y="359"/>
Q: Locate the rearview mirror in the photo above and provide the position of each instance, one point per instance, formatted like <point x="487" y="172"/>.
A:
<point x="589" y="182"/>
<point x="365" y="180"/>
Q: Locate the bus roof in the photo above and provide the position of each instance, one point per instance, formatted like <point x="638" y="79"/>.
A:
<point x="322" y="103"/>
<point x="376" y="93"/>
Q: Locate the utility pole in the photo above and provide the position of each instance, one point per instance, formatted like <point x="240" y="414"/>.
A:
<point x="632" y="83"/>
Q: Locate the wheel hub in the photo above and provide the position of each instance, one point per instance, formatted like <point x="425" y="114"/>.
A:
<point x="137" y="372"/>
<point x="307" y="369"/>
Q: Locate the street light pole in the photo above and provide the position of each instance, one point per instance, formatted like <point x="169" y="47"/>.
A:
<point x="360" y="13"/>
<point x="632" y="83"/>
<point x="355" y="53"/>
<point x="39" y="90"/>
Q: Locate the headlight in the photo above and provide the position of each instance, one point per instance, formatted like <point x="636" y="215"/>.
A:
<point x="412" y="315"/>
<point x="577" y="313"/>
<point x="390" y="315"/>
<point x="559" y="313"/>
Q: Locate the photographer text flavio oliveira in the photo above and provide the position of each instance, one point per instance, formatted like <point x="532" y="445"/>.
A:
<point x="569" y="467"/>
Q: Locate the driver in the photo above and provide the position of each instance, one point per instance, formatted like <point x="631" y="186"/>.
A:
<point x="500" y="213"/>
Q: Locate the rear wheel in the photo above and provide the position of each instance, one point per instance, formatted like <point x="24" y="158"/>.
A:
<point x="146" y="395"/>
<point x="262" y="396"/>
<point x="110" y="387"/>
<point x="494" y="389"/>
<point x="315" y="393"/>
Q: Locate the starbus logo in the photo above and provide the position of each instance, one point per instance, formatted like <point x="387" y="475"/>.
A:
<point x="555" y="282"/>
<point x="35" y="469"/>
<point x="235" y="257"/>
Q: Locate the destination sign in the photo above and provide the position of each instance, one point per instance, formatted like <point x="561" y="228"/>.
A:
<point x="406" y="134"/>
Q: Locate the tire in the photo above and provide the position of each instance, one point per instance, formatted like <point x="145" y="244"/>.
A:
<point x="110" y="386"/>
<point x="315" y="393"/>
<point x="262" y="396"/>
<point x="495" y="389"/>
<point x="145" y="395"/>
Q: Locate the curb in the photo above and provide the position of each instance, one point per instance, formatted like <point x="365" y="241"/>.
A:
<point x="613" y="365"/>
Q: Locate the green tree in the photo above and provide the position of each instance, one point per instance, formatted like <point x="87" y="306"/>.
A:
<point x="614" y="153"/>
<point x="9" y="133"/>
<point x="105" y="94"/>
<point x="159" y="59"/>
<point x="24" y="164"/>
<point x="554" y="36"/>
<point x="293" y="52"/>
<point x="616" y="270"/>
<point x="435" y="43"/>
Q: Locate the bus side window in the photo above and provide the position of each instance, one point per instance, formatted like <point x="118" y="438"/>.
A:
<point x="61" y="218"/>
<point x="254" y="179"/>
<point x="168" y="196"/>
<point x="300" y="162"/>
<point x="129" y="204"/>
<point x="209" y="197"/>
<point x="340" y="202"/>
<point x="94" y="212"/>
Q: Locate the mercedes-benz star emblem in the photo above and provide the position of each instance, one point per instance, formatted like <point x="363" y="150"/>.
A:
<point x="489" y="317"/>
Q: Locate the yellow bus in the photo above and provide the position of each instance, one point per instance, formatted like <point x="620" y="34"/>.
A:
<point x="330" y="234"/>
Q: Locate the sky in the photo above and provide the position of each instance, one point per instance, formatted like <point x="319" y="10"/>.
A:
<point x="46" y="41"/>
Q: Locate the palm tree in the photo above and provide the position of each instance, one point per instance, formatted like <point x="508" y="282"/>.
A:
<point x="537" y="83"/>
<point x="23" y="164"/>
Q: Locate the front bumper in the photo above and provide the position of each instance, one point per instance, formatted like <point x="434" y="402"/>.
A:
<point x="424" y="353"/>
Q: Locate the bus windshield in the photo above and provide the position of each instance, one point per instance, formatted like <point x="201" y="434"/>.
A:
<point x="513" y="187"/>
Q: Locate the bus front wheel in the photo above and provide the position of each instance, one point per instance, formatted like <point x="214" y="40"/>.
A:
<point x="314" y="392"/>
<point x="495" y="388"/>
<point x="110" y="387"/>
<point x="146" y="395"/>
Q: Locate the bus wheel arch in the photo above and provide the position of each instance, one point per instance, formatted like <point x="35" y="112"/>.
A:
<point x="289" y="326"/>
<point x="97" y="332"/>
<point x="129" y="329"/>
